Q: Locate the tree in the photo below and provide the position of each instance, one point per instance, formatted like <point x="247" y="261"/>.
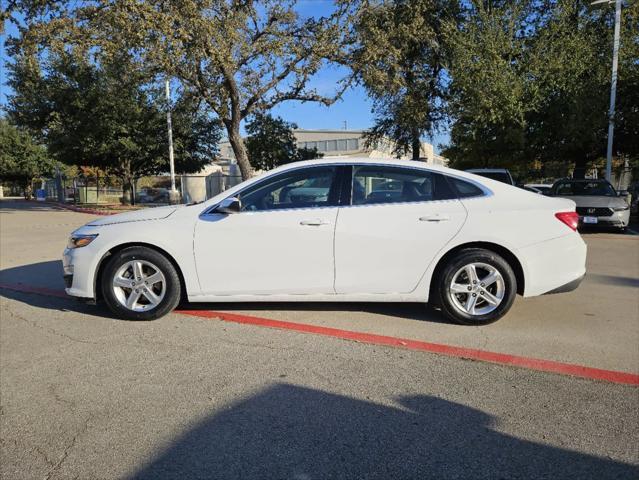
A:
<point x="239" y="56"/>
<point x="490" y="95"/>
<point x="271" y="142"/>
<point x="531" y="82"/>
<point x="22" y="159"/>
<point x="108" y="115"/>
<point x="401" y="60"/>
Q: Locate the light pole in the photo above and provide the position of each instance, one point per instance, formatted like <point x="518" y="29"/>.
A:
<point x="613" y="84"/>
<point x="173" y="194"/>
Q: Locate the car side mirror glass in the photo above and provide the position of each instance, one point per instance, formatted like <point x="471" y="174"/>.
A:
<point x="229" y="206"/>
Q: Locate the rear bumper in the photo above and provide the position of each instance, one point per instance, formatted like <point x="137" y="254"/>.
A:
<point x="553" y="265"/>
<point x="618" y="219"/>
<point x="567" y="287"/>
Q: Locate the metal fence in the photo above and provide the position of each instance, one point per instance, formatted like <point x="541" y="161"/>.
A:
<point x="150" y="190"/>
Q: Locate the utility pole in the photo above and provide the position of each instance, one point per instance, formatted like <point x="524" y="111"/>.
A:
<point x="173" y="194"/>
<point x="613" y="84"/>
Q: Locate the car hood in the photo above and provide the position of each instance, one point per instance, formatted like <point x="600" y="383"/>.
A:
<point x="156" y="213"/>
<point x="598" y="201"/>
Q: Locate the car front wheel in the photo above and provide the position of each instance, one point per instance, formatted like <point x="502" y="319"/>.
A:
<point x="476" y="287"/>
<point x="139" y="283"/>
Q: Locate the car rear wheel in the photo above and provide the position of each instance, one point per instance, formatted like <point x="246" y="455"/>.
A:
<point x="476" y="287"/>
<point x="139" y="283"/>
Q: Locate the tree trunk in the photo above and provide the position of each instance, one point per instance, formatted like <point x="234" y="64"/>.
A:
<point x="580" y="168"/>
<point x="28" y="189"/>
<point x="416" y="144"/>
<point x="128" y="191"/>
<point x="239" y="149"/>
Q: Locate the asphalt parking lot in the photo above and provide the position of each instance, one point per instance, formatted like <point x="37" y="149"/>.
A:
<point x="188" y="396"/>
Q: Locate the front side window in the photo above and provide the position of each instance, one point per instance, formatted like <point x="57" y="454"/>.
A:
<point x="305" y="188"/>
<point x="381" y="184"/>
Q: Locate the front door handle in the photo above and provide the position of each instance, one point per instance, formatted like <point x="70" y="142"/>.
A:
<point x="434" y="218"/>
<point x="316" y="222"/>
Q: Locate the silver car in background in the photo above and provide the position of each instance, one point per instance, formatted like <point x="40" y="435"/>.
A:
<point x="598" y="204"/>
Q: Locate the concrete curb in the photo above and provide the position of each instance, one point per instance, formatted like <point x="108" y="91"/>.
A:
<point x="90" y="211"/>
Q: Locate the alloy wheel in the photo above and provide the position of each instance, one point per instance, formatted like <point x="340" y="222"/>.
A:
<point x="477" y="289"/>
<point x="139" y="285"/>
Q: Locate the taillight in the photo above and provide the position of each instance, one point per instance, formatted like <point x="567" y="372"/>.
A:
<point x="569" y="218"/>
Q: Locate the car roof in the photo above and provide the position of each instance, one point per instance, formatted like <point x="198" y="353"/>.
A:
<point x="489" y="170"/>
<point x="379" y="161"/>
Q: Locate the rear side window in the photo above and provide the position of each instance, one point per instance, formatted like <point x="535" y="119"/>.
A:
<point x="383" y="184"/>
<point x="465" y="189"/>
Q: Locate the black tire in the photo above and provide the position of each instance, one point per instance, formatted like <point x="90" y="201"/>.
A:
<point x="172" y="292"/>
<point x="465" y="257"/>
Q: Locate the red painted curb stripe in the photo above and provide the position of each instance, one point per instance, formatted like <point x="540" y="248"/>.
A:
<point x="448" y="350"/>
<point x="538" y="364"/>
<point x="89" y="211"/>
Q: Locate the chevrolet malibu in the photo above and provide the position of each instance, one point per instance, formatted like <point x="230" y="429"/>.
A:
<point x="334" y="230"/>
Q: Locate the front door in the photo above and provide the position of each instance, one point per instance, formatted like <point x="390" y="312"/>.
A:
<point x="281" y="242"/>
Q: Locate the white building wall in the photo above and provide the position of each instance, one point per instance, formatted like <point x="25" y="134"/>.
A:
<point x="344" y="143"/>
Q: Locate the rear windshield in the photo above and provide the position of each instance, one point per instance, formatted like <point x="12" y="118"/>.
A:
<point x="585" y="188"/>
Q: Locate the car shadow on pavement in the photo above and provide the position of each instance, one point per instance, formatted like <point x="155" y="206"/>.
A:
<point x="48" y="275"/>
<point x="288" y="431"/>
<point x="614" y="280"/>
<point x="408" y="311"/>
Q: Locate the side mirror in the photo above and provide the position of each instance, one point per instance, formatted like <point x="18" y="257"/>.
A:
<point x="229" y="205"/>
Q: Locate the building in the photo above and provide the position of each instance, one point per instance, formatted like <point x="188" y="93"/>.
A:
<point x="224" y="172"/>
<point x="344" y="143"/>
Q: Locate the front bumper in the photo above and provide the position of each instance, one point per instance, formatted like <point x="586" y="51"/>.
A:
<point x="78" y="276"/>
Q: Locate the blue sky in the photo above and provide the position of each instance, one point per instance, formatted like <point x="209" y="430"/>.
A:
<point x="354" y="108"/>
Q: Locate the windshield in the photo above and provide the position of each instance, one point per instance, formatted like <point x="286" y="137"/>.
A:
<point x="585" y="188"/>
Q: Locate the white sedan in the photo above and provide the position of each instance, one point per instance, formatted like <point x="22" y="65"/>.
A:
<point x="336" y="230"/>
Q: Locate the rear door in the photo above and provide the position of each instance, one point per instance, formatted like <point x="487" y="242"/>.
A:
<point x="397" y="220"/>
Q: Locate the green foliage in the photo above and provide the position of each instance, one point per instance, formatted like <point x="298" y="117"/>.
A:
<point x="271" y="142"/>
<point x="239" y="57"/>
<point x="401" y="60"/>
<point x="531" y="81"/>
<point x="108" y="115"/>
<point x="22" y="158"/>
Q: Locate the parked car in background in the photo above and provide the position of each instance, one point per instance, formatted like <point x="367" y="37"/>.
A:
<point x="598" y="204"/>
<point x="542" y="188"/>
<point x="465" y="243"/>
<point x="153" y="195"/>
<point x="500" y="174"/>
<point x="633" y="190"/>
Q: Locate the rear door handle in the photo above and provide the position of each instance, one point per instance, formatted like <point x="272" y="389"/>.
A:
<point x="315" y="222"/>
<point x="434" y="218"/>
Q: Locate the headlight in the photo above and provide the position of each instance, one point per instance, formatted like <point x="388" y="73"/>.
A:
<point x="621" y="209"/>
<point x="77" y="241"/>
